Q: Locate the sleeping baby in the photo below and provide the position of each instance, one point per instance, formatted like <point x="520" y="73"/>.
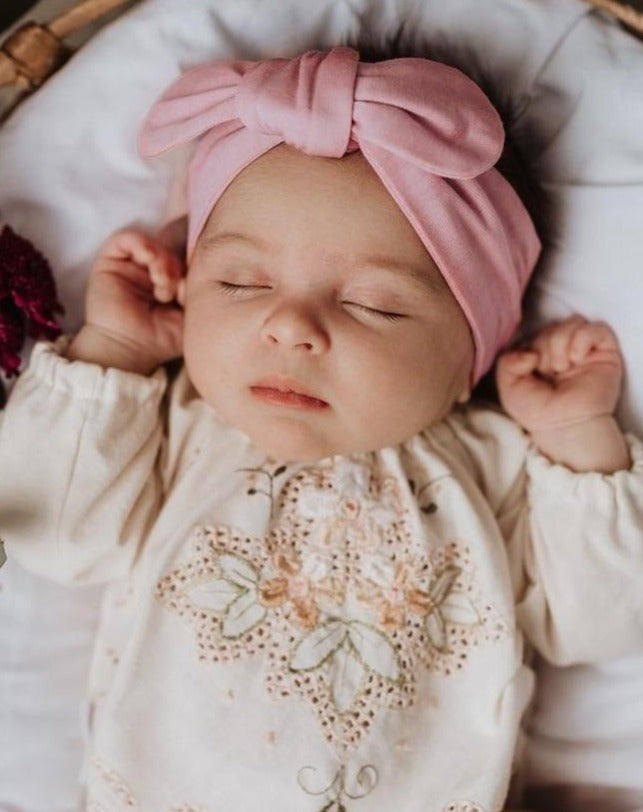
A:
<point x="326" y="565"/>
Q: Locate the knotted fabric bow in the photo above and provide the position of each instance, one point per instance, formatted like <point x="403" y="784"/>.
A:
<point x="428" y="131"/>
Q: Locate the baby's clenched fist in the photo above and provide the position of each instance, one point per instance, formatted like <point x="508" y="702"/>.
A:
<point x="563" y="389"/>
<point x="133" y="319"/>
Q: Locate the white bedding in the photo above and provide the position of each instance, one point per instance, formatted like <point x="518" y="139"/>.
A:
<point x="69" y="175"/>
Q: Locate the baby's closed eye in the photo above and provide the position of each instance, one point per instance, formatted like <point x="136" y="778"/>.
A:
<point x="375" y="312"/>
<point x="234" y="288"/>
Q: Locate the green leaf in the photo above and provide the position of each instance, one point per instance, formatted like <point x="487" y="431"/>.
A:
<point x="457" y="608"/>
<point x="375" y="649"/>
<point x="436" y="630"/>
<point x="242" y="615"/>
<point x="313" y="649"/>
<point x="346" y="677"/>
<point x="215" y="595"/>
<point x="443" y="584"/>
<point x="238" y="571"/>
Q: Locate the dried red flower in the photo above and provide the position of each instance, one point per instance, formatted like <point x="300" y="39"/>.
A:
<point x="28" y="298"/>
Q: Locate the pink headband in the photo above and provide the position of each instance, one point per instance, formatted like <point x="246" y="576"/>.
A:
<point x="428" y="131"/>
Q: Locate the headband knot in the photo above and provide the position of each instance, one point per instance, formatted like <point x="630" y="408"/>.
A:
<point x="307" y="102"/>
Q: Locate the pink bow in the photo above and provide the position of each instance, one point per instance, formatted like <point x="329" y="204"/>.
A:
<point x="428" y="131"/>
<point x="320" y="102"/>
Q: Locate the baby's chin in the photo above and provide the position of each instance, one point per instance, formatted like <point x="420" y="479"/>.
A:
<point x="295" y="438"/>
<point x="298" y="444"/>
<point x="292" y="447"/>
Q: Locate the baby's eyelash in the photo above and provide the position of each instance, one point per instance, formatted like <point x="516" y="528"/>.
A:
<point x="372" y="311"/>
<point x="231" y="288"/>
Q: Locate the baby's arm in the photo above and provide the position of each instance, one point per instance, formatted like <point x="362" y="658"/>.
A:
<point x="574" y="539"/>
<point x="132" y="321"/>
<point x="563" y="390"/>
<point x="82" y="441"/>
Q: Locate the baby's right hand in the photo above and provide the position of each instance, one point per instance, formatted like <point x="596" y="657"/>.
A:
<point x="132" y="319"/>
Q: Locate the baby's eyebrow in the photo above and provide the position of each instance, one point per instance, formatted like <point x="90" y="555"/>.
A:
<point x="428" y="276"/>
<point x="212" y="241"/>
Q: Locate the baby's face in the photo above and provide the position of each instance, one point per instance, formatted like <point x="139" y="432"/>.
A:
<point x="315" y="320"/>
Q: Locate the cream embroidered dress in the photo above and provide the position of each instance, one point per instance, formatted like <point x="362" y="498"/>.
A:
<point x="344" y="635"/>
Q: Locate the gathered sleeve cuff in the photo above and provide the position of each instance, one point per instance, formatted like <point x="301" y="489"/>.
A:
<point x="580" y="584"/>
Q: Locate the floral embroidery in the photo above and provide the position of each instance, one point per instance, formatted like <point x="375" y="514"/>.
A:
<point x="345" y="598"/>
<point x="362" y="785"/>
<point x="463" y="806"/>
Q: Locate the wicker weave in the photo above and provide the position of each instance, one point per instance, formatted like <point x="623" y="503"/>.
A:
<point x="31" y="53"/>
<point x="34" y="51"/>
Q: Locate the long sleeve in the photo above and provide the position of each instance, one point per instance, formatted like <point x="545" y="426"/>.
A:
<point x="574" y="542"/>
<point x="79" y="481"/>
<point x="580" y="593"/>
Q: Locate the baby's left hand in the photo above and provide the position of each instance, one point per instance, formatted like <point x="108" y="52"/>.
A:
<point x="563" y="390"/>
<point x="571" y="372"/>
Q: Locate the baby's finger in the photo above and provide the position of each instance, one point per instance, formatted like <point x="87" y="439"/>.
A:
<point x="553" y="343"/>
<point x="561" y="341"/>
<point x="582" y="343"/>
<point x="593" y="338"/>
<point x="514" y="365"/>
<point x="129" y="244"/>
<point x="515" y="378"/>
<point x="166" y="271"/>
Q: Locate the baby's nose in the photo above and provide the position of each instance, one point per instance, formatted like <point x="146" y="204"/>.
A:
<point x="296" y="326"/>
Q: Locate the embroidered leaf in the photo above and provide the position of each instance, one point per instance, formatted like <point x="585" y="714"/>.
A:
<point x="215" y="595"/>
<point x="457" y="608"/>
<point x="437" y="631"/>
<point x="242" y="615"/>
<point x="313" y="649"/>
<point x="238" y="571"/>
<point x="374" y="649"/>
<point x="279" y="471"/>
<point x="346" y="677"/>
<point x="443" y="584"/>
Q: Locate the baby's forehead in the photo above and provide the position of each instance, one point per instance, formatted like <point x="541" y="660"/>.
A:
<point x="335" y="205"/>
<point x="286" y="167"/>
